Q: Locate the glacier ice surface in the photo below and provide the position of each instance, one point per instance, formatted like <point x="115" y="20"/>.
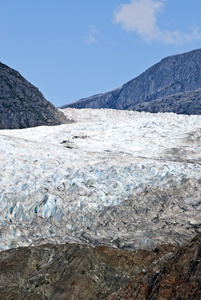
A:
<point x="121" y="178"/>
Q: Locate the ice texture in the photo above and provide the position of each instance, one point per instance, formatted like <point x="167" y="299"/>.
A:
<point x="121" y="178"/>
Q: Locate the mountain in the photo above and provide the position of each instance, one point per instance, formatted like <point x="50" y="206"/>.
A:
<point x="123" y="179"/>
<point x="22" y="105"/>
<point x="77" y="272"/>
<point x="177" y="76"/>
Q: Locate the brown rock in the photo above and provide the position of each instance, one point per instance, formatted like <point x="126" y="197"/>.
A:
<point x="178" y="278"/>
<point x="78" y="272"/>
<point x="69" y="271"/>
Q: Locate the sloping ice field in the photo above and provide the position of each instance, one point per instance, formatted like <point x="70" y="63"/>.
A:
<point x="120" y="178"/>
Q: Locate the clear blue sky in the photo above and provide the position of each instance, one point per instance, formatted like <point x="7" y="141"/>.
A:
<point x="71" y="49"/>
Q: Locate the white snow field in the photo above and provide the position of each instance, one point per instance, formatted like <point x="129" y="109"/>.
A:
<point x="119" y="178"/>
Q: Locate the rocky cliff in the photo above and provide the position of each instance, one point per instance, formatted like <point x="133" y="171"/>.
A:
<point x="173" y="76"/>
<point x="22" y="105"/>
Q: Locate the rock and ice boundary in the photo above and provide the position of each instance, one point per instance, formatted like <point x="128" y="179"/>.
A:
<point x="120" y="178"/>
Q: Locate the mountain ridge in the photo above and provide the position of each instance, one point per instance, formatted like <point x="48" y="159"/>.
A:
<point x="174" y="74"/>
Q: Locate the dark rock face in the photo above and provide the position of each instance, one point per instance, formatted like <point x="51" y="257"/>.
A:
<point x="22" y="105"/>
<point x="74" y="271"/>
<point x="174" y="76"/>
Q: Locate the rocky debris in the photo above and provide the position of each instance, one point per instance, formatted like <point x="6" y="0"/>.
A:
<point x="124" y="179"/>
<point x="22" y="105"/>
<point x="173" y="76"/>
<point x="74" y="271"/>
<point x="178" y="278"/>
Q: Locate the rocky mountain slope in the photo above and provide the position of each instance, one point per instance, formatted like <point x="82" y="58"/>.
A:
<point x="22" y="105"/>
<point x="188" y="103"/>
<point x="77" y="272"/>
<point x="118" y="178"/>
<point x="173" y="76"/>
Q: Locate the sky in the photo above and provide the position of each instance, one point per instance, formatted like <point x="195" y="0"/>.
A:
<point x="72" y="49"/>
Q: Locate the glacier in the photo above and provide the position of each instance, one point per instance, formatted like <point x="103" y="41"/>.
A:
<point x="120" y="178"/>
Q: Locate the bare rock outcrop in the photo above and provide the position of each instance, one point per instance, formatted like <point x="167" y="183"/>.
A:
<point x="77" y="272"/>
<point x="73" y="271"/>
<point x="22" y="105"/>
<point x="178" y="278"/>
